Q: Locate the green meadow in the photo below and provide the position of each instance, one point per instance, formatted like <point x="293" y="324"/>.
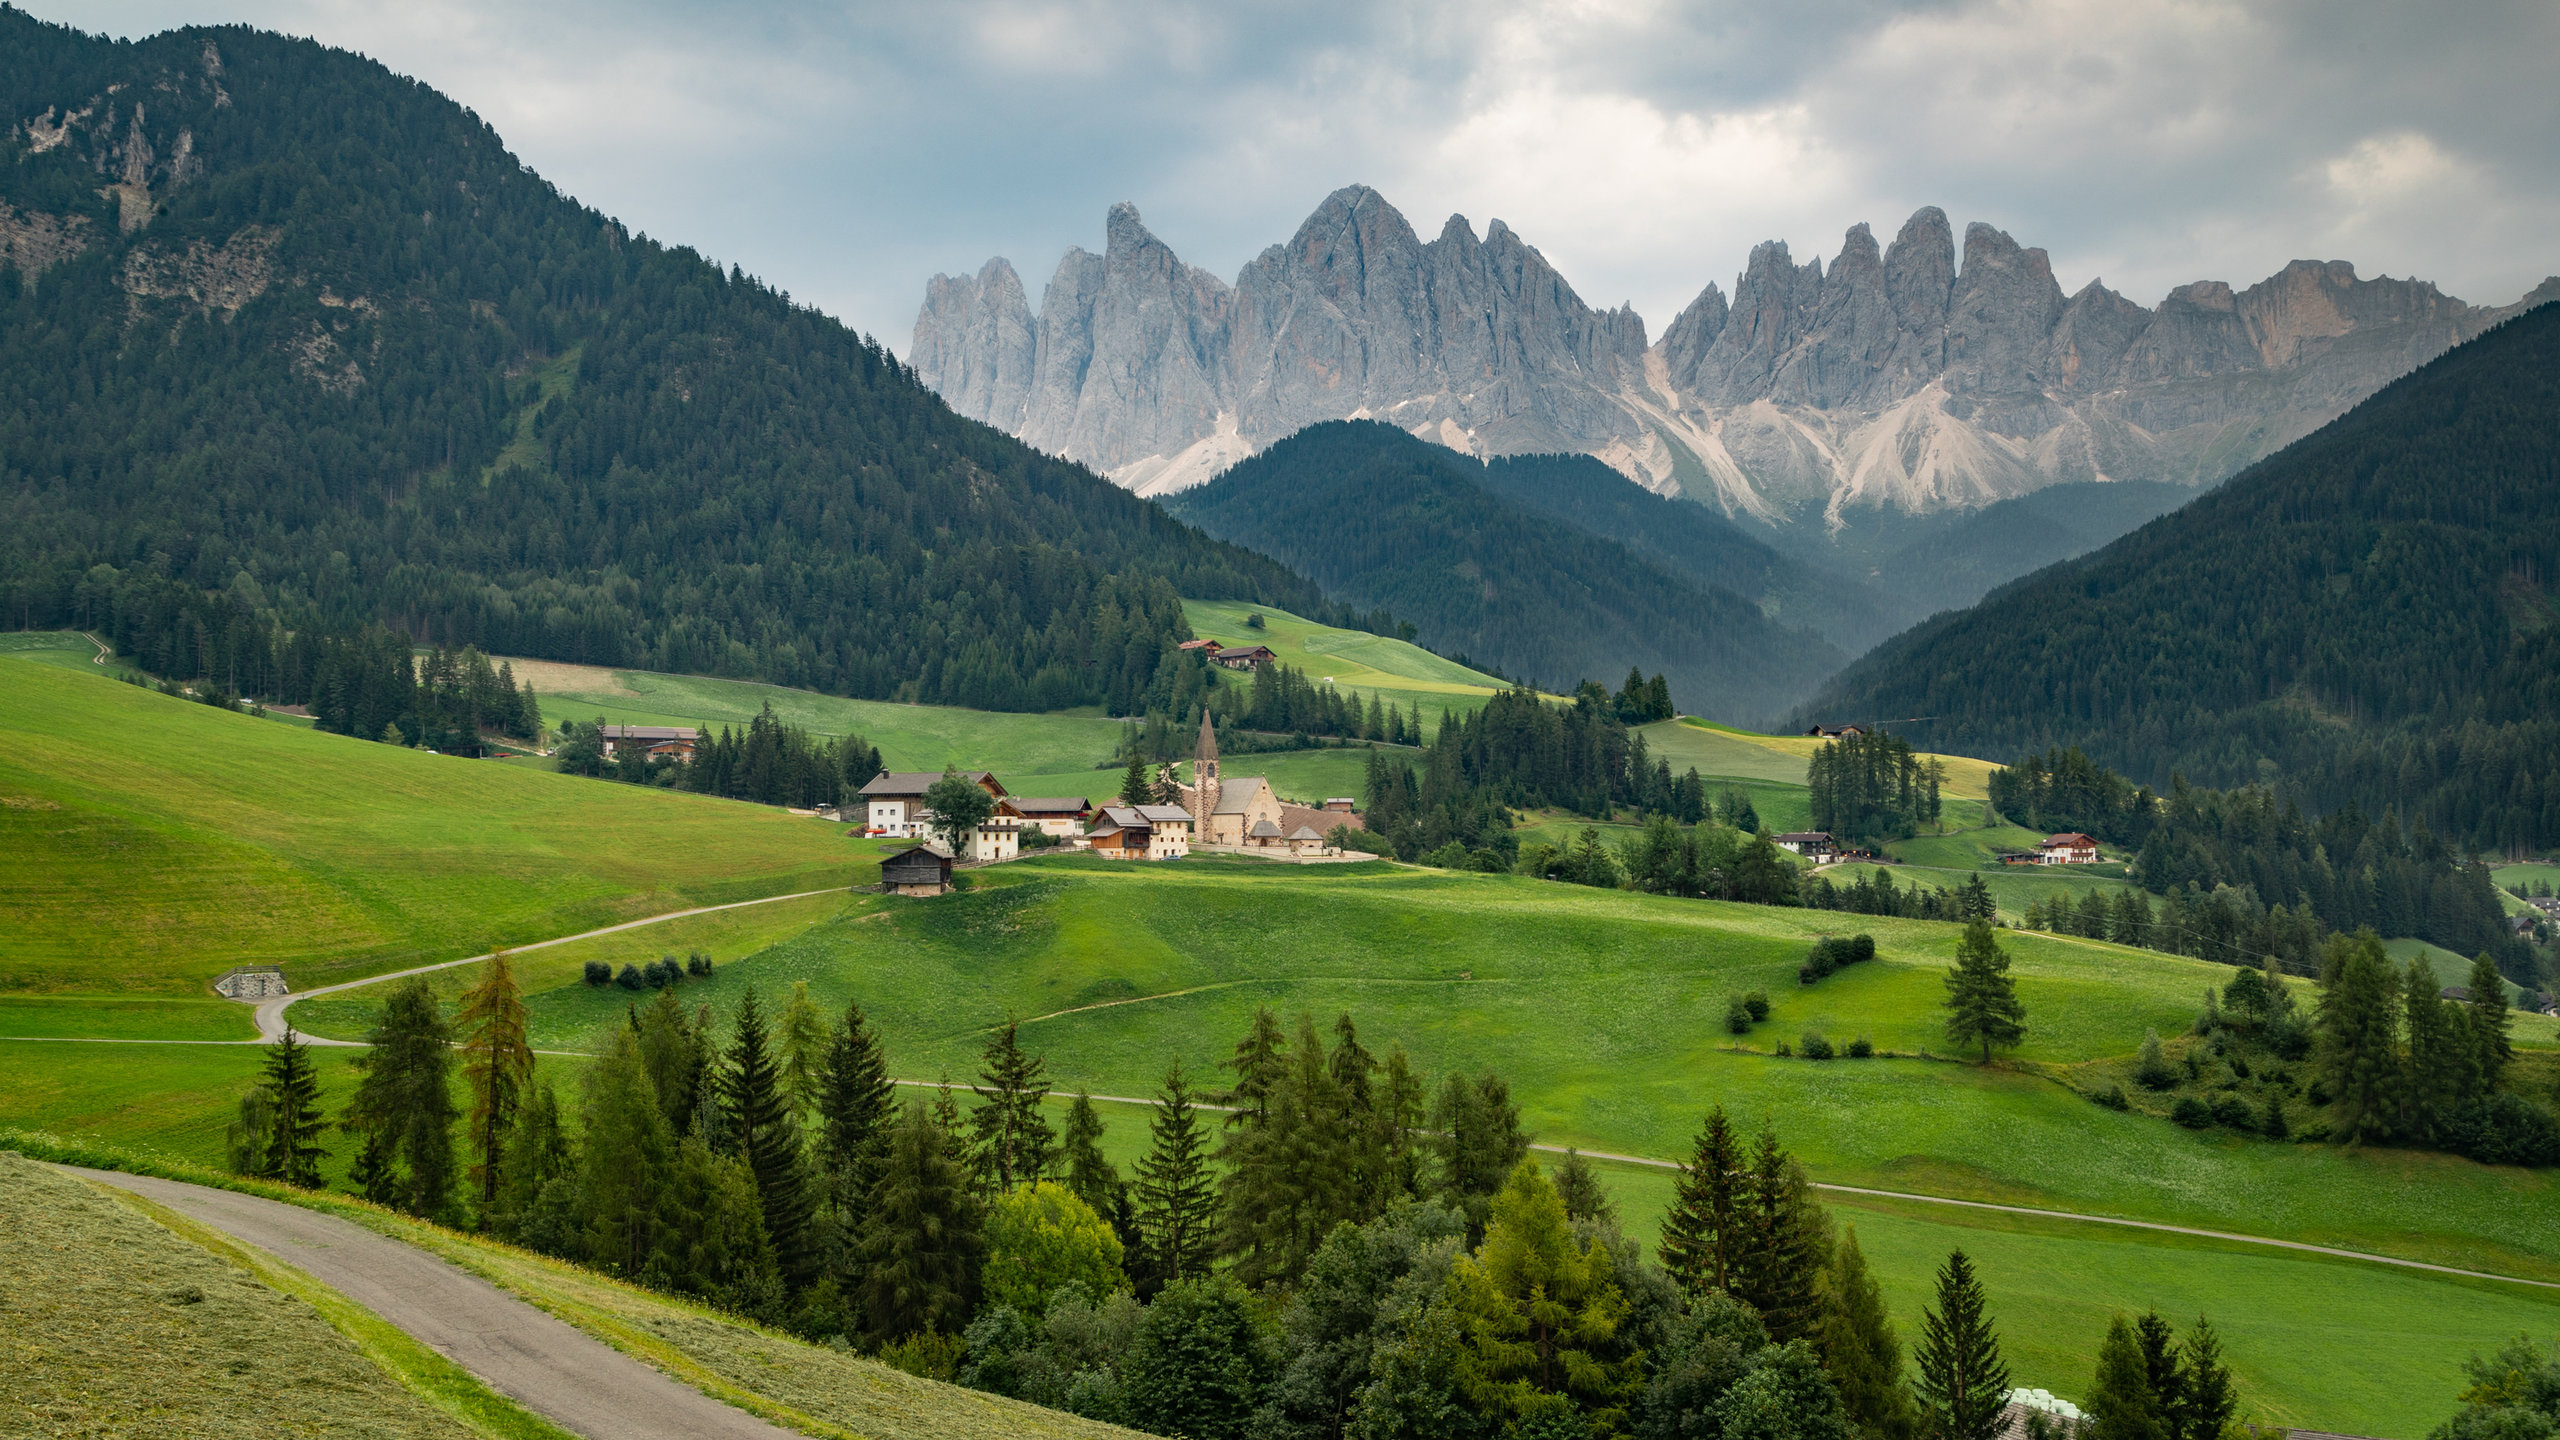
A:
<point x="1400" y="672"/>
<point x="147" y="844"/>
<point x="157" y="842"/>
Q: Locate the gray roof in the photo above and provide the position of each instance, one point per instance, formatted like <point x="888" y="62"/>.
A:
<point x="1165" y="814"/>
<point x="1305" y="832"/>
<point x="1049" y="804"/>
<point x="1234" y="795"/>
<point x="900" y="784"/>
<point x="1263" y="828"/>
<point x="651" y="732"/>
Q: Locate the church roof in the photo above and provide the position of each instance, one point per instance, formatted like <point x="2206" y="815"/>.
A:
<point x="1305" y="832"/>
<point x="1263" y="828"/>
<point x="1235" y="795"/>
<point x="1208" y="736"/>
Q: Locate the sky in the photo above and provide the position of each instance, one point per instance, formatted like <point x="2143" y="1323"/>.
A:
<point x="846" y="152"/>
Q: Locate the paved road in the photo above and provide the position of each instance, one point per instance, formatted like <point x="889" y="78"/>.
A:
<point x="271" y="1019"/>
<point x="569" y="1377"/>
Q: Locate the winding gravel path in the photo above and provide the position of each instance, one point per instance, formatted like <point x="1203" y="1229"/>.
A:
<point x="271" y="1020"/>
<point x="561" y="1373"/>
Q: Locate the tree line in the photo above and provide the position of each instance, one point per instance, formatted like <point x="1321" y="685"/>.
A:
<point x="2249" y="875"/>
<point x="771" y="762"/>
<point x="1872" y="787"/>
<point x="1324" y="1246"/>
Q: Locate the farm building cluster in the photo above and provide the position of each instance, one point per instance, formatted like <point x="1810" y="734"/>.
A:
<point x="1243" y="816"/>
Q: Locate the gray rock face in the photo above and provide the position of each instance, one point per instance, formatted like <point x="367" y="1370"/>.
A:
<point x="1895" y="375"/>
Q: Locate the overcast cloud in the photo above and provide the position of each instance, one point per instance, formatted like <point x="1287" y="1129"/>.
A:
<point x="846" y="152"/>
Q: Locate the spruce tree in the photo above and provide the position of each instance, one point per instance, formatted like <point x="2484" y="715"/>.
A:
<point x="1777" y="1270"/>
<point x="921" y="1246"/>
<point x="1480" y="1143"/>
<point x="1177" y="1199"/>
<point x="404" y="1103"/>
<point x="1089" y="1175"/>
<point x="2359" y="1059"/>
<point x="1982" y="1001"/>
<point x="1578" y="1186"/>
<point x="2120" y="1404"/>
<point x="1859" y="1346"/>
<point x="497" y="1065"/>
<point x="1291" y="1179"/>
<point x="2161" y="1369"/>
<point x="295" y="1121"/>
<point x="856" y="1102"/>
<point x="1399" y="1119"/>
<point x="1013" y="1140"/>
<point x="676" y="1050"/>
<point x="1962" y="1386"/>
<point x="763" y="1133"/>
<point x="2206" y="1400"/>
<point x="1135" y="788"/>
<point x="1364" y="1141"/>
<point x="2486" y="1014"/>
<point x="1701" y="1232"/>
<point x="533" y="1208"/>
<point x="1258" y="1061"/>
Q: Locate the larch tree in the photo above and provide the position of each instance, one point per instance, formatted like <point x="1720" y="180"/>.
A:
<point x="2120" y="1404"/>
<point x="626" y="1152"/>
<point x="1541" y="1312"/>
<point x="1480" y="1142"/>
<point x="1014" y="1142"/>
<point x="801" y="1036"/>
<point x="2359" y="1055"/>
<point x="1859" y="1346"/>
<point x="497" y="1065"/>
<point x="1982" y="1001"/>
<point x="2486" y="1016"/>
<point x="1963" y="1385"/>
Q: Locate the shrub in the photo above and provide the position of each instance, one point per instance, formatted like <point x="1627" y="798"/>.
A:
<point x="1737" y="1016"/>
<point x="926" y="1353"/>
<point x="2275" y="1127"/>
<point x="697" y="963"/>
<point x="1041" y="1238"/>
<point x="629" y="979"/>
<point x="1452" y="856"/>
<point x="661" y="972"/>
<point x="2192" y="1113"/>
<point x="2233" y="1111"/>
<point x="599" y="973"/>
<point x="1805" y="975"/>
<point x="1758" y="1003"/>
<point x="2290" y="1037"/>
<point x="2113" y="1098"/>
<point x="1783" y="1050"/>
<point x="1861" y="948"/>
<point x="2152" y="1071"/>
<point x="1862" y="1048"/>
<point x="2240" y="1066"/>
<point x="1815" y="1047"/>
<point x="2504" y="1129"/>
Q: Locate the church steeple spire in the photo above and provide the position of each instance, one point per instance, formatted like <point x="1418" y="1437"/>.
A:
<point x="1204" y="778"/>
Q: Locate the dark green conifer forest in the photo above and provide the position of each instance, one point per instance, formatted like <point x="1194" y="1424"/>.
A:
<point x="292" y="341"/>
<point x="2366" y="617"/>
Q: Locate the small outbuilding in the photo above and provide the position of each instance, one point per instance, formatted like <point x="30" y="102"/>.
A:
<point x="252" y="982"/>
<point x="921" y="870"/>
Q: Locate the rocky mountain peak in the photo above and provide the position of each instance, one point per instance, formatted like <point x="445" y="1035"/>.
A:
<point x="1925" y="372"/>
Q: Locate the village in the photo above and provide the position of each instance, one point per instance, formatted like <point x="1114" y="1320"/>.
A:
<point x="1243" y="816"/>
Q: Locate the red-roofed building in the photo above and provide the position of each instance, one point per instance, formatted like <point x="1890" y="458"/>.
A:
<point x="2073" y="848"/>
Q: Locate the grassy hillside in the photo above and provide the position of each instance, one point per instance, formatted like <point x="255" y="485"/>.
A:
<point x="115" y="1325"/>
<point x="148" y="844"/>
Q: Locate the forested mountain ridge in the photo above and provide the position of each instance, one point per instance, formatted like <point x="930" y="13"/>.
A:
<point x="2365" y="616"/>
<point x="1381" y="518"/>
<point x="292" y="340"/>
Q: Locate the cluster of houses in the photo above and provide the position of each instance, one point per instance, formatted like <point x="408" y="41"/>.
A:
<point x="1243" y="816"/>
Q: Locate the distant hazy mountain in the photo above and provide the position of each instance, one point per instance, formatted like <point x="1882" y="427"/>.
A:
<point x="1380" y="518"/>
<point x="2368" y="616"/>
<point x="1909" y="378"/>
